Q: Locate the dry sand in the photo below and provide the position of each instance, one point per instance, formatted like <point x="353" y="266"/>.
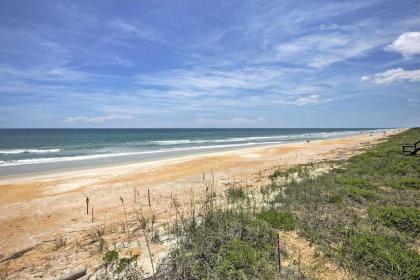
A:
<point x="36" y="212"/>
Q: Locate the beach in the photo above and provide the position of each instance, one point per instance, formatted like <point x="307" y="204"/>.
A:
<point x="37" y="210"/>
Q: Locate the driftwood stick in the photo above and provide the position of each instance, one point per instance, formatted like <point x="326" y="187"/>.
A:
<point x="75" y="274"/>
<point x="18" y="254"/>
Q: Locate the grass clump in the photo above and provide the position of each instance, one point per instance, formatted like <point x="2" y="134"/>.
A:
<point x="278" y="220"/>
<point x="376" y="254"/>
<point x="406" y="183"/>
<point x="357" y="193"/>
<point x="335" y="198"/>
<point x="227" y="244"/>
<point x="239" y="260"/>
<point x="235" y="194"/>
<point x="404" y="219"/>
<point x="355" y="182"/>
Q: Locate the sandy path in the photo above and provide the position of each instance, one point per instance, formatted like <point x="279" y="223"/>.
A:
<point x="40" y="208"/>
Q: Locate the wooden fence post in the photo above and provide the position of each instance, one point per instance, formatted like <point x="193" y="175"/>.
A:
<point x="279" y="245"/>
<point x="148" y="197"/>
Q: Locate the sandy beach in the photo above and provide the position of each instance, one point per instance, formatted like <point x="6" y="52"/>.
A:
<point x="38" y="211"/>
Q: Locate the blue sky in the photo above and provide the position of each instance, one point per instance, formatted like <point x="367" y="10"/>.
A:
<point x="209" y="63"/>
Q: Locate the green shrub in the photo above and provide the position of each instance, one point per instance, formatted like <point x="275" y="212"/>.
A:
<point x="240" y="260"/>
<point x="356" y="193"/>
<point x="278" y="220"/>
<point x="381" y="257"/>
<point x="335" y="198"/>
<point x="402" y="218"/>
<point x="355" y="182"/>
<point x="406" y="183"/>
<point x="119" y="268"/>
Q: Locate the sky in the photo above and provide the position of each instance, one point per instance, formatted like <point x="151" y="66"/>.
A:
<point x="169" y="64"/>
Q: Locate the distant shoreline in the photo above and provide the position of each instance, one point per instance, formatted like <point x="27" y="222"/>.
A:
<point x="10" y="173"/>
<point x="71" y="165"/>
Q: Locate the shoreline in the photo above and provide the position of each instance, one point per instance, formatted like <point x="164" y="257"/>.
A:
<point x="20" y="173"/>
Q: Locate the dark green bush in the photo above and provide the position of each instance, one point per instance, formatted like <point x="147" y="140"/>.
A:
<point x="278" y="220"/>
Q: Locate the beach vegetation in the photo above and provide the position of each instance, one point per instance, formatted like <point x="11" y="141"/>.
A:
<point x="362" y="214"/>
<point x="278" y="220"/>
<point x="117" y="267"/>
<point x="368" y="252"/>
<point x="234" y="194"/>
<point x="404" y="219"/>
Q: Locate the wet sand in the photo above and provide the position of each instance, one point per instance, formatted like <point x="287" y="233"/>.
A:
<point x="39" y="209"/>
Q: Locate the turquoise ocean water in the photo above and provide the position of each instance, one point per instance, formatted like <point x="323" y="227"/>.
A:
<point x="56" y="147"/>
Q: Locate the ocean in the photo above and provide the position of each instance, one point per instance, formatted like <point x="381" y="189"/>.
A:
<point x="47" y="149"/>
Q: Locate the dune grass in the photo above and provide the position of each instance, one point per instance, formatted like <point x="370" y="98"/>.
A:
<point x="227" y="244"/>
<point x="365" y="215"/>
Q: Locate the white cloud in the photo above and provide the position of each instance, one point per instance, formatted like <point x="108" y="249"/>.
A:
<point x="126" y="29"/>
<point x="209" y="81"/>
<point x="394" y="75"/>
<point x="236" y="121"/>
<point x="407" y="44"/>
<point x="320" y="50"/>
<point x="364" y="78"/>
<point x="98" y="119"/>
<point x="311" y="99"/>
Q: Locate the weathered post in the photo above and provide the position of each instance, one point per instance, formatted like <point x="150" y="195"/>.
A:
<point x="92" y="214"/>
<point x="279" y="245"/>
<point x="87" y="205"/>
<point x="148" y="197"/>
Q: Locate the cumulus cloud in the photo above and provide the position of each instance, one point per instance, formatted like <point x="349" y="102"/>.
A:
<point x="394" y="75"/>
<point x="407" y="44"/>
<point x="98" y="119"/>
